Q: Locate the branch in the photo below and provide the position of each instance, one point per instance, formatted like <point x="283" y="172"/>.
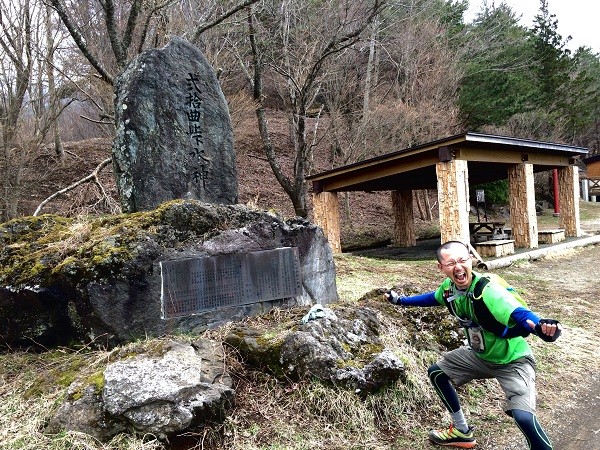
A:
<point x="79" y="88"/>
<point x="111" y="29"/>
<point x="100" y="122"/>
<point x="146" y="25"/>
<point x="91" y="177"/>
<point x="80" y="41"/>
<point x="134" y="12"/>
<point x="202" y="28"/>
<point x="339" y="43"/>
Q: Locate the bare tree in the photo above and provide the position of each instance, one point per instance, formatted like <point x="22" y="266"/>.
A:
<point x="295" y="42"/>
<point x="120" y="42"/>
<point x="123" y="27"/>
<point x="16" y="60"/>
<point x="394" y="90"/>
<point x="53" y="107"/>
<point x="43" y="96"/>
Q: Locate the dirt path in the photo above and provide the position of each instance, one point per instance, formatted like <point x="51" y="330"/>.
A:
<point x="567" y="287"/>
<point x="581" y="427"/>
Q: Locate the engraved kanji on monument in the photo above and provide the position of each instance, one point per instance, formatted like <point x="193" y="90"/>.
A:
<point x="174" y="137"/>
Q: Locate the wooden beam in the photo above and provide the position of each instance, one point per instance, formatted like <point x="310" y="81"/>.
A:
<point x="453" y="200"/>
<point x="392" y="158"/>
<point x="326" y="212"/>
<point x="375" y="172"/>
<point x="404" y="220"/>
<point x="512" y="157"/>
<point x="568" y="200"/>
<point x="521" y="197"/>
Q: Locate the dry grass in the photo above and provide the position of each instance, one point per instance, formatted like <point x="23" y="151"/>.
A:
<point x="32" y="386"/>
<point x="72" y="237"/>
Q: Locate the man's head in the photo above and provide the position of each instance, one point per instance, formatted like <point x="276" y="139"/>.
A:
<point x="454" y="260"/>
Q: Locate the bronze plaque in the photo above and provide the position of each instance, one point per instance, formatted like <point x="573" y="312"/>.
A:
<point x="195" y="285"/>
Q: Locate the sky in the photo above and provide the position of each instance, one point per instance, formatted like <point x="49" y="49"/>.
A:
<point x="576" y="18"/>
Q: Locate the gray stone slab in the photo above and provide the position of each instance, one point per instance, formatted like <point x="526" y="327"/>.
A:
<point x="174" y="137"/>
<point x="195" y="285"/>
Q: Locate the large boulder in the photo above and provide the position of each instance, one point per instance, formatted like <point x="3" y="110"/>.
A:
<point x="174" y="137"/>
<point x="341" y="346"/>
<point x="65" y="280"/>
<point x="165" y="391"/>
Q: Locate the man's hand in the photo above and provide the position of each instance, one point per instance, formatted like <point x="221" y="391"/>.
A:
<point x="547" y="329"/>
<point x="392" y="297"/>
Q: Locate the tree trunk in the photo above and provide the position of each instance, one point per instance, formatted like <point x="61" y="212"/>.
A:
<point x="53" y="101"/>
<point x="298" y="202"/>
<point x="10" y="111"/>
<point x="419" y="206"/>
<point x="428" y="216"/>
<point x="347" y="210"/>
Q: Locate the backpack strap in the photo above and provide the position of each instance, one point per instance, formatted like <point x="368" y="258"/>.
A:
<point x="479" y="287"/>
<point x="482" y="314"/>
<point x="450" y="305"/>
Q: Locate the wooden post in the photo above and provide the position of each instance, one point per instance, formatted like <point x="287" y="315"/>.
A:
<point x="568" y="191"/>
<point x="326" y="212"/>
<point x="521" y="199"/>
<point x="453" y="199"/>
<point x="404" y="219"/>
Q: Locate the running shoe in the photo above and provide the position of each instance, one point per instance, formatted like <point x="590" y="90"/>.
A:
<point x="452" y="437"/>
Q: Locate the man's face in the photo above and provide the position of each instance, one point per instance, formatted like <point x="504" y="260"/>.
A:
<point x="457" y="265"/>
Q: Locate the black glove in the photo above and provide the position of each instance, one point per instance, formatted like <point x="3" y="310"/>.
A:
<point x="393" y="298"/>
<point x="545" y="337"/>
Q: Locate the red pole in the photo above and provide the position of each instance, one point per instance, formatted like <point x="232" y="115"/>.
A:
<point x="555" y="179"/>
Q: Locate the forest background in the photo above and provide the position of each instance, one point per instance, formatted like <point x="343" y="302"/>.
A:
<point x="311" y="85"/>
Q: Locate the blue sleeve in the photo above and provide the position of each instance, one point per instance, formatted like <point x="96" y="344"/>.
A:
<point x="522" y="328"/>
<point x="426" y="299"/>
<point x="521" y="315"/>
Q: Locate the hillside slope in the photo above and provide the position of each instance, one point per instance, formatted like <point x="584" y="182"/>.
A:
<point x="258" y="186"/>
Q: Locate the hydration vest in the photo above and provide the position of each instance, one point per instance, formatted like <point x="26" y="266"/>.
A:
<point x="483" y="317"/>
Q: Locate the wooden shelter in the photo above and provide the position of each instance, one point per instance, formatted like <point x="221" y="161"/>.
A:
<point x="450" y="165"/>
<point x="592" y="165"/>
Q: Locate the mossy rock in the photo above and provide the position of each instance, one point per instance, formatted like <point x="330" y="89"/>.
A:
<point x="98" y="279"/>
<point x="260" y="349"/>
<point x="40" y="250"/>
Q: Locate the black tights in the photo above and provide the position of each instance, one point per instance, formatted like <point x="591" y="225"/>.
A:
<point x="526" y="421"/>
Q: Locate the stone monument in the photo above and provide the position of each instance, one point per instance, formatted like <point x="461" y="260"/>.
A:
<point x="174" y="137"/>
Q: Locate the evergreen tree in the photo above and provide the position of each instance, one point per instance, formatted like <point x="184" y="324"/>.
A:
<point x="568" y="86"/>
<point x="581" y="106"/>
<point x="496" y="84"/>
<point x="551" y="60"/>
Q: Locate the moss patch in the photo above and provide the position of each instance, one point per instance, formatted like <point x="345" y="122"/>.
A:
<point x="61" y="370"/>
<point x="42" y="250"/>
<point x="262" y="350"/>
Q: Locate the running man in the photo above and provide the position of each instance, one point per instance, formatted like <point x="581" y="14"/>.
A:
<point x="495" y="324"/>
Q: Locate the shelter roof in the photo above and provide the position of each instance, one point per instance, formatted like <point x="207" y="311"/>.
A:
<point x="592" y="159"/>
<point x="488" y="157"/>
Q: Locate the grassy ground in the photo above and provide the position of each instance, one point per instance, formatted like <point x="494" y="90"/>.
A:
<point x="273" y="415"/>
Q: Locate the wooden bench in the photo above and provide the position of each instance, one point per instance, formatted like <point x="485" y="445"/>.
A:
<point x="495" y="248"/>
<point x="551" y="236"/>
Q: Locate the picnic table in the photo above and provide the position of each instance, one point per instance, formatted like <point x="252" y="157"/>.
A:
<point x="490" y="228"/>
<point x="488" y="231"/>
